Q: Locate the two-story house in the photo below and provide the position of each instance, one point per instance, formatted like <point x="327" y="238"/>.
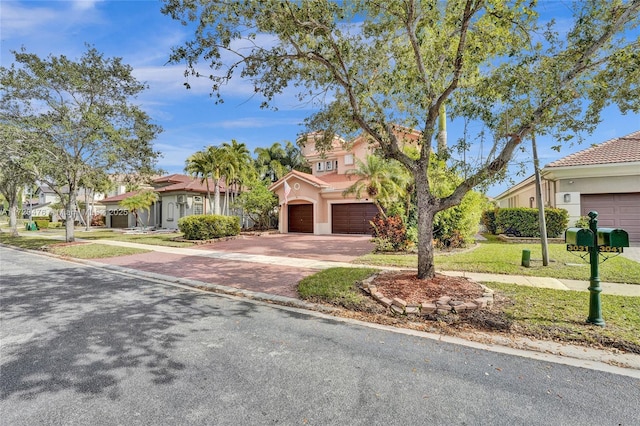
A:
<point x="314" y="203"/>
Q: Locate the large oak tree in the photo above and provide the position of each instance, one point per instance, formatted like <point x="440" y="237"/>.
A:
<point x="376" y="65"/>
<point x="81" y="119"/>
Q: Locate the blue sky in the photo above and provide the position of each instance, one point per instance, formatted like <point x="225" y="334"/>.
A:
<point x="143" y="37"/>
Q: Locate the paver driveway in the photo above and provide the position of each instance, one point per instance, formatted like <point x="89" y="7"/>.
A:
<point x="337" y="248"/>
<point x="267" y="278"/>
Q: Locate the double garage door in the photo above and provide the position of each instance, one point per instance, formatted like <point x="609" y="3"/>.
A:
<point x="615" y="211"/>
<point x="352" y="218"/>
<point x="345" y="218"/>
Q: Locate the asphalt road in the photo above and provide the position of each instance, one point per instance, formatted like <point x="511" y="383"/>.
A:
<point x="80" y="345"/>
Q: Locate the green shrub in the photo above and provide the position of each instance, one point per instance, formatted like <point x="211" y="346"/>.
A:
<point x="489" y="221"/>
<point x="207" y="227"/>
<point x="523" y="222"/>
<point x="583" y="222"/>
<point x="42" y="224"/>
<point x="55" y="224"/>
<point x="35" y="218"/>
<point x="456" y="226"/>
<point x="390" y="233"/>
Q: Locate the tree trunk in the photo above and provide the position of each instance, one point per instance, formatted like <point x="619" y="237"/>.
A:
<point x="13" y="217"/>
<point x="426" y="212"/>
<point x="216" y="197"/>
<point x="70" y="215"/>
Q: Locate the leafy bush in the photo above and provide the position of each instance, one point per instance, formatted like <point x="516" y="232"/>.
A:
<point x="523" y="221"/>
<point x="489" y="221"/>
<point x="97" y="220"/>
<point x="259" y="204"/>
<point x="42" y="224"/>
<point x="390" y="233"/>
<point x="583" y="222"/>
<point x="206" y="227"/>
<point x="456" y="226"/>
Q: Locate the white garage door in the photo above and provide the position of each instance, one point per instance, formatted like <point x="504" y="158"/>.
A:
<point x="615" y="211"/>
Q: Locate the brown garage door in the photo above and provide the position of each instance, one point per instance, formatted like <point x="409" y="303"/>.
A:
<point x="615" y="211"/>
<point x="352" y="218"/>
<point x="120" y="219"/>
<point x="301" y="218"/>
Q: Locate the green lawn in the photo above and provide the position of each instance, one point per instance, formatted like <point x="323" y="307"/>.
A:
<point x="505" y="259"/>
<point x="561" y="315"/>
<point x="94" y="251"/>
<point x="79" y="251"/>
<point x="152" y="239"/>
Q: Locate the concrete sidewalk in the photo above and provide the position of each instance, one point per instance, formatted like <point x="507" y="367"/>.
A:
<point x="543" y="282"/>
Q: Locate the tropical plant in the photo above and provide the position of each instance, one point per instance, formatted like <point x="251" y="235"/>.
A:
<point x="212" y="163"/>
<point x="258" y="203"/>
<point x="141" y="201"/>
<point x="383" y="181"/>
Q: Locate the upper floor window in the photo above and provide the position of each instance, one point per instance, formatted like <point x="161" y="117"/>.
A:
<point x="348" y="159"/>
<point x="320" y="166"/>
<point x="329" y="165"/>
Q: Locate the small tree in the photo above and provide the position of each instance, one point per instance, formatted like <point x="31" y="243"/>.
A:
<point x="141" y="201"/>
<point x="258" y="203"/>
<point x="82" y="119"/>
<point x="13" y="173"/>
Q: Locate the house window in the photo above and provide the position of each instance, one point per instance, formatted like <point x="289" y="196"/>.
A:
<point x="329" y="165"/>
<point x="198" y="208"/>
<point x="348" y="159"/>
<point x="567" y="198"/>
<point x="320" y="166"/>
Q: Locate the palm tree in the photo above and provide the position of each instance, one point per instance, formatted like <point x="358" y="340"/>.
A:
<point x="240" y="157"/>
<point x="197" y="165"/>
<point x="270" y="162"/>
<point x="140" y="201"/>
<point x="383" y="181"/>
<point x="294" y="160"/>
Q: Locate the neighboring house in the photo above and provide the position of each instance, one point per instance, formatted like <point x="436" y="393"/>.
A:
<point x="603" y="178"/>
<point x="47" y="202"/>
<point x="179" y="196"/>
<point x="314" y="203"/>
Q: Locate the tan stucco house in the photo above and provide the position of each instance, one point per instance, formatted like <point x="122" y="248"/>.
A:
<point x="603" y="178"/>
<point x="315" y="203"/>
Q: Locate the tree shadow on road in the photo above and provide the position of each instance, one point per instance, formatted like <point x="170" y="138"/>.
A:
<point x="73" y="331"/>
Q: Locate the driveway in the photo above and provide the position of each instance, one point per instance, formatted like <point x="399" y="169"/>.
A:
<point x="276" y="278"/>
<point x="336" y="248"/>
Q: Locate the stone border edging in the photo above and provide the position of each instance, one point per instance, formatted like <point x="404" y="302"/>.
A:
<point x="441" y="306"/>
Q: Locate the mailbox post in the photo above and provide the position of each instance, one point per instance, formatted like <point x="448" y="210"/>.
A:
<point x="595" y="307"/>
<point x="595" y="241"/>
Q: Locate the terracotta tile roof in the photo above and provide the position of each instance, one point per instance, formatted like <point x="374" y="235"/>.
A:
<point x="178" y="182"/>
<point x="624" y="149"/>
<point x="117" y="198"/>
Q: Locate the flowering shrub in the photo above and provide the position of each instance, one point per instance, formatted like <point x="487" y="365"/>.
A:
<point x="389" y="233"/>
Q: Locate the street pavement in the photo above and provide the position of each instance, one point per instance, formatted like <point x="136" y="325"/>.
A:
<point x="84" y="345"/>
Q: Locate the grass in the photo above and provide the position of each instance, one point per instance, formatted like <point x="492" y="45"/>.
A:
<point x="335" y="286"/>
<point x="94" y="251"/>
<point x="152" y="239"/>
<point x="79" y="251"/>
<point x="561" y="315"/>
<point x="31" y="243"/>
<point x="505" y="259"/>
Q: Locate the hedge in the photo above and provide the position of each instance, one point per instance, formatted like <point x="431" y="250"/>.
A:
<point x="207" y="227"/>
<point x="42" y="222"/>
<point x="523" y="221"/>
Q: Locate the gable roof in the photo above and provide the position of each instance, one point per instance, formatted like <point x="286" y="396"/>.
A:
<point x="625" y="149"/>
<point x="309" y="178"/>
